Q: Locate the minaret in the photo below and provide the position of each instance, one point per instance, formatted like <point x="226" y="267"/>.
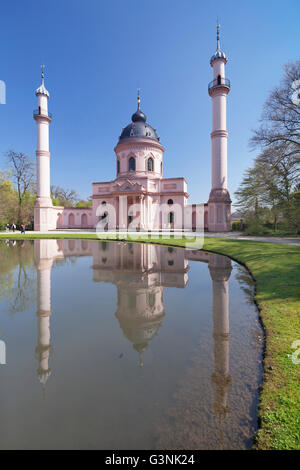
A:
<point x="43" y="204"/>
<point x="219" y="203"/>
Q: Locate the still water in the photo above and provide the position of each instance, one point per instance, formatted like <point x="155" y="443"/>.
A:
<point x="112" y="345"/>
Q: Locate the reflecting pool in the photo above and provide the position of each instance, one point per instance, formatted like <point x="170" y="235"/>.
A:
<point x="110" y="345"/>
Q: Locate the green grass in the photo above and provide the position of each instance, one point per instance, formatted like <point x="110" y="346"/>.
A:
<point x="276" y="270"/>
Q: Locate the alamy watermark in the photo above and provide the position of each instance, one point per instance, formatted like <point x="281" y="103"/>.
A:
<point x="295" y="358"/>
<point x="2" y="92"/>
<point x="174" y="221"/>
<point x="295" y="98"/>
<point x="2" y="352"/>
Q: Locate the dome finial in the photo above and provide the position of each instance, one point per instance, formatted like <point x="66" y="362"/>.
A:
<point x="141" y="360"/>
<point x="138" y="97"/>
<point x="138" y="115"/>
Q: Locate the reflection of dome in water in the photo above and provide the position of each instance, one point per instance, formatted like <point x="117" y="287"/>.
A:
<point x="43" y="375"/>
<point x="138" y="332"/>
<point x="140" y="312"/>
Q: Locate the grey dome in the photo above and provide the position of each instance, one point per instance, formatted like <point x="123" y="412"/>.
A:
<point x="139" y="128"/>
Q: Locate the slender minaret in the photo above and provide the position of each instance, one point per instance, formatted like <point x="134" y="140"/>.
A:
<point x="43" y="203"/>
<point x="219" y="203"/>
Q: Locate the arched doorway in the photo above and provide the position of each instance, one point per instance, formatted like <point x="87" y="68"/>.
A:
<point x="59" y="221"/>
<point x="171" y="219"/>
<point x="84" y="220"/>
<point x="71" y="220"/>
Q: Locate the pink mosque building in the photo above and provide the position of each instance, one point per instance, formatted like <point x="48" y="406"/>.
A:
<point x="140" y="197"/>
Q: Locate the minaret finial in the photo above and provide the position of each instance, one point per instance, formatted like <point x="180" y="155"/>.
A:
<point x="218" y="36"/>
<point x="138" y="97"/>
<point x="43" y="75"/>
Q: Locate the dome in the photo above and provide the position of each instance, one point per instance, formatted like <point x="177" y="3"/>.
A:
<point x="41" y="90"/>
<point x="218" y="55"/>
<point x="139" y="127"/>
<point x="44" y="376"/>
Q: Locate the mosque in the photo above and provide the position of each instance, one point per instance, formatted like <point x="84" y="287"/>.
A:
<point x="140" y="197"/>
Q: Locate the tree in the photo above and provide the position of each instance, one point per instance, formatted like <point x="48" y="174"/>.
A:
<point x="8" y="200"/>
<point x="273" y="180"/>
<point x="269" y="184"/>
<point x="281" y="114"/>
<point x="22" y="171"/>
<point x="82" y="203"/>
<point x="63" y="197"/>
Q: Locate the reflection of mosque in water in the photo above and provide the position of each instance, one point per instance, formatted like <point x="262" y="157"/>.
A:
<point x="140" y="273"/>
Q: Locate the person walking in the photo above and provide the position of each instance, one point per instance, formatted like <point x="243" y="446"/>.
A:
<point x="7" y="228"/>
<point x="13" y="227"/>
<point x="22" y="228"/>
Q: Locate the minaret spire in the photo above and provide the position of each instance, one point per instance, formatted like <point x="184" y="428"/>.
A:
<point x="43" y="75"/>
<point x="218" y="36"/>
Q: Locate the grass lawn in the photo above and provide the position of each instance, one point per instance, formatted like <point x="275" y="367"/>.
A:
<point x="276" y="270"/>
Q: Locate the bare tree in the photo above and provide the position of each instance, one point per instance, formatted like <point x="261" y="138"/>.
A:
<point x="281" y="114"/>
<point x="275" y="175"/>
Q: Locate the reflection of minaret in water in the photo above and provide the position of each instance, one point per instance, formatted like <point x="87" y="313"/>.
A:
<point x="220" y="269"/>
<point x="43" y="348"/>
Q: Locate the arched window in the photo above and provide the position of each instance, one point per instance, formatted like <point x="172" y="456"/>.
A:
<point x="219" y="80"/>
<point x="170" y="202"/>
<point x="131" y="166"/>
<point x="151" y="300"/>
<point x="171" y="217"/>
<point x="150" y="164"/>
<point x="118" y="166"/>
<point x="84" y="245"/>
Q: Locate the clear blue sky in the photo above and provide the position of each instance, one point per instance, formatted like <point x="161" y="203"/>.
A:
<point x="97" y="52"/>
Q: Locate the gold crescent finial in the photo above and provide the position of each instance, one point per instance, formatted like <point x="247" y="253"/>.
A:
<point x="141" y="360"/>
<point x="138" y="97"/>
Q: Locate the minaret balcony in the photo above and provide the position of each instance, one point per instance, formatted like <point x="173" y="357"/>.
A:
<point x="39" y="112"/>
<point x="218" y="83"/>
